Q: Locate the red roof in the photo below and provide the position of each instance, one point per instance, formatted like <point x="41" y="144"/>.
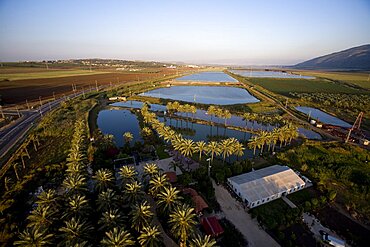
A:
<point x="199" y="202"/>
<point x="190" y="191"/>
<point x="171" y="177"/>
<point x="212" y="226"/>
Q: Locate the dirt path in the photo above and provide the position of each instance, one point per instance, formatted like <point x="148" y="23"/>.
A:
<point x="167" y="241"/>
<point x="235" y="213"/>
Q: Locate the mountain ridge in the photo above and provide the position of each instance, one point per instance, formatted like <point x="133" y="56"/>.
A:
<point x="355" y="58"/>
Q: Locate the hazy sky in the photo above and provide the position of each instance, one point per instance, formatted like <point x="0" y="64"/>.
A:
<point x="238" y="32"/>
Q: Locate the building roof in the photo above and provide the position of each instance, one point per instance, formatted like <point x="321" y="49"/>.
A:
<point x="199" y="202"/>
<point x="266" y="182"/>
<point x="172" y="178"/>
<point x="212" y="226"/>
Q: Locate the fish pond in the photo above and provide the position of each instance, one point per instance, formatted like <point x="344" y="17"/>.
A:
<point x="270" y="74"/>
<point x="208" y="77"/>
<point x="214" y="95"/>
<point x="118" y="121"/>
<point x="322" y="116"/>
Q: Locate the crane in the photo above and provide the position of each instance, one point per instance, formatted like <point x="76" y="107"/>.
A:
<point x="356" y="125"/>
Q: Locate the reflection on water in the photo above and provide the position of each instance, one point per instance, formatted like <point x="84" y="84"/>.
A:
<point x="117" y="122"/>
<point x="204" y="94"/>
<point x="236" y="121"/>
<point x="322" y="116"/>
<point x="208" y="77"/>
<point x="270" y="74"/>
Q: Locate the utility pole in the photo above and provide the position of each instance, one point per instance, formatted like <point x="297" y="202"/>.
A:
<point x="46" y="63"/>
<point x="96" y="85"/>
<point x="2" y="113"/>
<point x="19" y="115"/>
<point x="90" y="65"/>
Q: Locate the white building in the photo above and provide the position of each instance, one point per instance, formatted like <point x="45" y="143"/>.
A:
<point x="266" y="184"/>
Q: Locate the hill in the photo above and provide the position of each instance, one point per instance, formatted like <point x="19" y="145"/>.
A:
<point x="356" y="58"/>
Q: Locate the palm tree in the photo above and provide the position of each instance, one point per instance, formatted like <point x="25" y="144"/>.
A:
<point x="107" y="200"/>
<point x="226" y="148"/>
<point x="226" y="115"/>
<point x="75" y="230"/>
<point x="141" y="215"/>
<point x="127" y="173"/>
<point x="34" y="237"/>
<point x="151" y="169"/>
<point x="104" y="179"/>
<point x="111" y="219"/>
<point x="150" y="236"/>
<point x="128" y="136"/>
<point x="182" y="222"/>
<point x="168" y="198"/>
<point x="133" y="191"/>
<point x="199" y="241"/>
<point x="146" y="132"/>
<point x="118" y="237"/>
<point x="7" y="182"/>
<point x="253" y="143"/>
<point x="200" y="147"/>
<point x="263" y="139"/>
<point x="238" y="149"/>
<point x="48" y="198"/>
<point x="157" y="183"/>
<point x="213" y="149"/>
<point x="211" y="111"/>
<point x="41" y="217"/>
<point x="75" y="184"/>
<point x="78" y="205"/>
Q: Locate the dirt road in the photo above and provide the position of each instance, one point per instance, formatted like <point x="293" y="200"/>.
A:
<point x="235" y="213"/>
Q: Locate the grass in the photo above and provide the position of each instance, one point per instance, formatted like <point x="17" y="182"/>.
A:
<point x="335" y="167"/>
<point x="358" y="79"/>
<point x="46" y="74"/>
<point x="285" y="86"/>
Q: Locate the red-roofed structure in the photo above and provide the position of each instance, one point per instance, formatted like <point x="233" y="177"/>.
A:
<point x="172" y="178"/>
<point x="212" y="226"/>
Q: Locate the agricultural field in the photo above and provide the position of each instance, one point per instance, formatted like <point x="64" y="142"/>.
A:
<point x="335" y="167"/>
<point x="9" y="76"/>
<point x="31" y="85"/>
<point x="286" y="86"/>
<point x="358" y="79"/>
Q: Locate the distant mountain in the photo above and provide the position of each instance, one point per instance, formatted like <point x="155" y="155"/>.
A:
<point x="356" y="58"/>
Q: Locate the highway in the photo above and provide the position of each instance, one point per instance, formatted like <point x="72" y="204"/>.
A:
<point x="11" y="134"/>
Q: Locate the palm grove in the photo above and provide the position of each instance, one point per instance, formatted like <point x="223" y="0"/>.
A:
<point x="92" y="209"/>
<point x="99" y="208"/>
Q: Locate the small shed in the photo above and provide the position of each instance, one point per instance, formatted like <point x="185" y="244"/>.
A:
<point x="212" y="226"/>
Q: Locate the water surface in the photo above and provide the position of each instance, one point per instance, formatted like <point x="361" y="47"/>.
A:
<point x="208" y="77"/>
<point x="117" y="122"/>
<point x="270" y="74"/>
<point x="322" y="116"/>
<point x="204" y="94"/>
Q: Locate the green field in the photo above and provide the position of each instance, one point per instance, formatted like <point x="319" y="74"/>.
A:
<point x="285" y="86"/>
<point x="45" y="74"/>
<point x="359" y="79"/>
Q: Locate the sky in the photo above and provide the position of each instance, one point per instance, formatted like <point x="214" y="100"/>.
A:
<point x="276" y="32"/>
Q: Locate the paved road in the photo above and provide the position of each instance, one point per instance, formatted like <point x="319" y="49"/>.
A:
<point x="10" y="135"/>
<point x="235" y="213"/>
